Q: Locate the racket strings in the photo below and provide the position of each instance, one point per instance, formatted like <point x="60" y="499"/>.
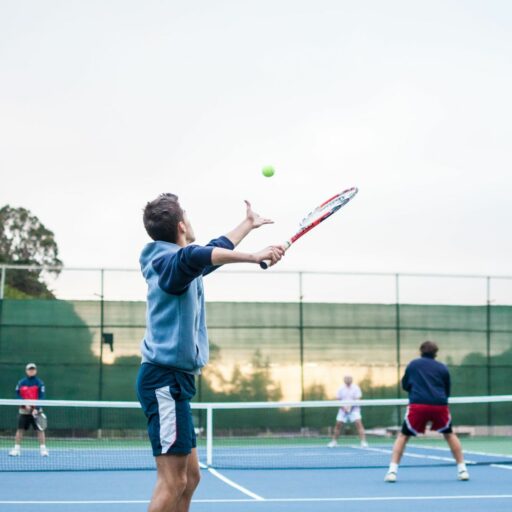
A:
<point x="334" y="204"/>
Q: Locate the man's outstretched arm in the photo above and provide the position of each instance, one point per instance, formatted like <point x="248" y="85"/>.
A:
<point x="251" y="221"/>
<point x="177" y="271"/>
<point x="272" y="253"/>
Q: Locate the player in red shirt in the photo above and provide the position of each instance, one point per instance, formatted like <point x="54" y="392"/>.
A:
<point x="29" y="388"/>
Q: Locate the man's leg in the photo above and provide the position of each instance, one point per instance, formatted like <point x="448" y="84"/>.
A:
<point x="360" y="430"/>
<point x="399" y="447"/>
<point x="42" y="443"/>
<point x="18" y="437"/>
<point x="336" y="434"/>
<point x="170" y="484"/>
<point x="193" y="477"/>
<point x="17" y="443"/>
<point x="396" y="456"/>
<point x="456" y="448"/>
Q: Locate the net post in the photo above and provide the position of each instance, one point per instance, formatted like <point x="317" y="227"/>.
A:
<point x="209" y="435"/>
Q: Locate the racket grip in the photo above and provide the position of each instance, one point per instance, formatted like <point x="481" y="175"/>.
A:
<point x="266" y="263"/>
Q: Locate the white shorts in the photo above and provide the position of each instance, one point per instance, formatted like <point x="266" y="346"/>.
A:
<point x="348" y="417"/>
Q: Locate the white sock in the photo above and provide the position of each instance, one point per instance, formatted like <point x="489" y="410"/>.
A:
<point x="461" y="467"/>
<point x="17" y="447"/>
<point x="393" y="467"/>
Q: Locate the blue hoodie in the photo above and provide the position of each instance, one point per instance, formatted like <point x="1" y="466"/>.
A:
<point x="176" y="335"/>
<point x="427" y="381"/>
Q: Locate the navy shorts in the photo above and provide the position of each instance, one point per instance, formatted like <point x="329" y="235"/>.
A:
<point x="25" y="421"/>
<point x="165" y="398"/>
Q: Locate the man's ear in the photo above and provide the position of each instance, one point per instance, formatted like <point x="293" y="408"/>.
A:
<point x="182" y="228"/>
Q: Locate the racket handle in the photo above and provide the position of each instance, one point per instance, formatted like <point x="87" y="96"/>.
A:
<point x="266" y="263"/>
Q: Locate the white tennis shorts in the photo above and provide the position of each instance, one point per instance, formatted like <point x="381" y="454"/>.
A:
<point x="348" y="417"/>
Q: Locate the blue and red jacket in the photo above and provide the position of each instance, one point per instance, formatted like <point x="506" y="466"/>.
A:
<point x="30" y="388"/>
<point x="427" y="381"/>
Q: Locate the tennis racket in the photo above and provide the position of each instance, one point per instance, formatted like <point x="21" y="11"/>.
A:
<point x="318" y="215"/>
<point x="41" y="421"/>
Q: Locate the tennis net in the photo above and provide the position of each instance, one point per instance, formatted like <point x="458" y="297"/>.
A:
<point x="89" y="436"/>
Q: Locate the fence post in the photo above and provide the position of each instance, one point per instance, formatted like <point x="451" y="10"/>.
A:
<point x="398" y="347"/>
<point x="2" y="282"/>
<point x="488" y="347"/>
<point x="102" y="320"/>
<point x="2" y="286"/>
<point x="397" y="325"/>
<point x="301" y="350"/>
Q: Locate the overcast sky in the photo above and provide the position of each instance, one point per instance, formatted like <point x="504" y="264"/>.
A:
<point x="105" y="104"/>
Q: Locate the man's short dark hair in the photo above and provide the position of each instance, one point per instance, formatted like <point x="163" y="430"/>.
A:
<point x="161" y="217"/>
<point x="429" y="349"/>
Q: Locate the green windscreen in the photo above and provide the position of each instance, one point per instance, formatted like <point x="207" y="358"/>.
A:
<point x="259" y="350"/>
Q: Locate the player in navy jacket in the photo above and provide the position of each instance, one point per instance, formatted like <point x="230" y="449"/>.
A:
<point x="428" y="383"/>
<point x="29" y="388"/>
<point x="175" y="344"/>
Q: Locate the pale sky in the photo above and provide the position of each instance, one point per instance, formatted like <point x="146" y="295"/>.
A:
<point x="105" y="104"/>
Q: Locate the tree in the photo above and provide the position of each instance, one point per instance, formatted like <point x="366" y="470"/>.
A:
<point x="25" y="240"/>
<point x="257" y="384"/>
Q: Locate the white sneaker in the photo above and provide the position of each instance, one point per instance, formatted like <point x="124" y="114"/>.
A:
<point x="463" y="475"/>
<point x="364" y="444"/>
<point x="333" y="444"/>
<point x="44" y="452"/>
<point x="14" y="453"/>
<point x="390" y="477"/>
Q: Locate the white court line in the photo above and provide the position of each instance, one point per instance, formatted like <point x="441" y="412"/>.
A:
<point x="487" y="454"/>
<point x="471" y="452"/>
<point x="279" y="500"/>
<point x="414" y="455"/>
<point x="230" y="482"/>
<point x="501" y="466"/>
<point x="74" y="502"/>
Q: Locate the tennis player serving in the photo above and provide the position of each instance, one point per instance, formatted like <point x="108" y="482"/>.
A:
<point x="175" y="344"/>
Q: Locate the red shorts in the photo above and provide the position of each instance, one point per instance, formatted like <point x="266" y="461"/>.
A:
<point x="418" y="415"/>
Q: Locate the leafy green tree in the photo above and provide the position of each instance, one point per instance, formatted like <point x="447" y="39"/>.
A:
<point x="25" y="240"/>
<point x="257" y="384"/>
<point x="315" y="391"/>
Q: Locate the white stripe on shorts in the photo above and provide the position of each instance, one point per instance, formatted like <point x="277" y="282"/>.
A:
<point x="167" y="414"/>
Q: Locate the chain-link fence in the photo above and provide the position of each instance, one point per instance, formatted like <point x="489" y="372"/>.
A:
<point x="289" y="335"/>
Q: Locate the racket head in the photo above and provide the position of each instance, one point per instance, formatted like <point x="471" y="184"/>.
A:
<point x="41" y="421"/>
<point x="327" y="208"/>
<point x="319" y="214"/>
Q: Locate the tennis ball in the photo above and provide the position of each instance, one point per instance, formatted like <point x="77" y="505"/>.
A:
<point x="268" y="171"/>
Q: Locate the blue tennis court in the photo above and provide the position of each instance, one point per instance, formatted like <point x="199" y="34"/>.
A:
<point x="250" y="469"/>
<point x="258" y="456"/>
<point x="323" y="490"/>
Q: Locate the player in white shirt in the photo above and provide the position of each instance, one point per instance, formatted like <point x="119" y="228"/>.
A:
<point x="348" y="414"/>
